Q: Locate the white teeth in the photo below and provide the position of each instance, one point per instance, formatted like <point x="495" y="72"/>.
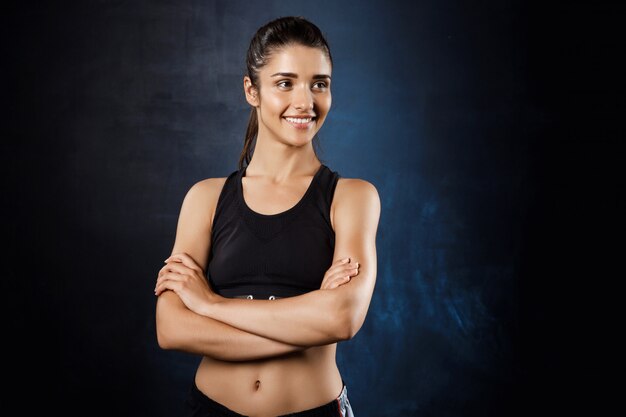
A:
<point x="298" y="120"/>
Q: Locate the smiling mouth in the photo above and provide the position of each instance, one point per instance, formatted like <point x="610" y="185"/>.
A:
<point x="301" y="123"/>
<point x="302" y="120"/>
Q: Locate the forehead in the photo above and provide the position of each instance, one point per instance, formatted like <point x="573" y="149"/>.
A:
<point x="302" y="60"/>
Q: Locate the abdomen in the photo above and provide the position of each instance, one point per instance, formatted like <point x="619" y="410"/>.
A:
<point x="270" y="387"/>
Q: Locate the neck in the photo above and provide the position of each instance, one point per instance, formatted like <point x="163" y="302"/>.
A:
<point x="280" y="161"/>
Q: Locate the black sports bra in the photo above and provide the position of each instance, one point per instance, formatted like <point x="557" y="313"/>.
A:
<point x="272" y="255"/>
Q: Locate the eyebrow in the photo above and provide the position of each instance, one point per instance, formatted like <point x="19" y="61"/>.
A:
<point x="294" y="75"/>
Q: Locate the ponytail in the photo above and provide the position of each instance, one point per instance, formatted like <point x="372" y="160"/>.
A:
<point x="251" y="132"/>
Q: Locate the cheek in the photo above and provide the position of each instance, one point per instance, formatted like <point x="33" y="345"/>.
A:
<point x="325" y="103"/>
<point x="274" y="103"/>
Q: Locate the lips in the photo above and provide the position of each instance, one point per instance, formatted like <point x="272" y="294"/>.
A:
<point x="297" y="118"/>
<point x="297" y="122"/>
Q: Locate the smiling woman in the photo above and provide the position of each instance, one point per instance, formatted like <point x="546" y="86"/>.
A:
<point x="274" y="264"/>
<point x="288" y="96"/>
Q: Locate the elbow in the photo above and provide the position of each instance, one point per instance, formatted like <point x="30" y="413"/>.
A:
<point x="350" y="314"/>
<point x="344" y="333"/>
<point x="164" y="338"/>
<point x="165" y="329"/>
<point x="341" y="331"/>
<point x="347" y="321"/>
<point x="351" y="328"/>
<point x="347" y="329"/>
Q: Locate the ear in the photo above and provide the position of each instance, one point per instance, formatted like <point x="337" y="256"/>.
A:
<point x="252" y="94"/>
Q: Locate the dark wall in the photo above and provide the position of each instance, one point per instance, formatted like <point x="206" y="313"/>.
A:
<point x="488" y="129"/>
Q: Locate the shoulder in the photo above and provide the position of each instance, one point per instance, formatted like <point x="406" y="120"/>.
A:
<point x="201" y="198"/>
<point x="355" y="184"/>
<point x="355" y="198"/>
<point x="208" y="188"/>
<point x="350" y="188"/>
<point x="204" y="191"/>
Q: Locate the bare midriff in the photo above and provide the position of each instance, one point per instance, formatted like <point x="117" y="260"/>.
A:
<point x="280" y="385"/>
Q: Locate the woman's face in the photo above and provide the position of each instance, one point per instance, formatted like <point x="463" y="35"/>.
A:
<point x="294" y="94"/>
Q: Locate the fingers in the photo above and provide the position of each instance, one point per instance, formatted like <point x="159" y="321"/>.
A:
<point x="176" y="272"/>
<point x="167" y="278"/>
<point x="173" y="266"/>
<point x="171" y="275"/>
<point x="185" y="260"/>
<point x="338" y="281"/>
<point x="335" y="281"/>
<point x="340" y="273"/>
<point x="344" y="269"/>
<point x="168" y="284"/>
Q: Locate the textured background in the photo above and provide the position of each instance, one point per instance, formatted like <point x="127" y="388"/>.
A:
<point x="495" y="159"/>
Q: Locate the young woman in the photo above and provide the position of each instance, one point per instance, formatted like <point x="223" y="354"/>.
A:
<point x="276" y="263"/>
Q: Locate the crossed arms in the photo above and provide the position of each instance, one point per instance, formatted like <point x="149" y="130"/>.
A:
<point x="191" y="317"/>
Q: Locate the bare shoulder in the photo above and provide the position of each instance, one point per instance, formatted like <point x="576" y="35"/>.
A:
<point x="355" y="196"/>
<point x="352" y="186"/>
<point x="208" y="188"/>
<point x="202" y="197"/>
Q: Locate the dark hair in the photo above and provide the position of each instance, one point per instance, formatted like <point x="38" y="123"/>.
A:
<point x="274" y="35"/>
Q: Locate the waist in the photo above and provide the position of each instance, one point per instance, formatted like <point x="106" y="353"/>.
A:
<point x="295" y="381"/>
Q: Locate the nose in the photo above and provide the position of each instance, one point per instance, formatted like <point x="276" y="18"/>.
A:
<point x="303" y="98"/>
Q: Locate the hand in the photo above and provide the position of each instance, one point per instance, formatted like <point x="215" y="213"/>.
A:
<point x="184" y="276"/>
<point x="341" y="272"/>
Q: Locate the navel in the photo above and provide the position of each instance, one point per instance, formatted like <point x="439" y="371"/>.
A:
<point x="257" y="384"/>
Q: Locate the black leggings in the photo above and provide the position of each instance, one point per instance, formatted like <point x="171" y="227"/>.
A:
<point x="198" y="404"/>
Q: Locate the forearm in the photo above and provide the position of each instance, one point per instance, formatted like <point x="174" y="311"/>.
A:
<point x="179" y="328"/>
<point x="315" y="318"/>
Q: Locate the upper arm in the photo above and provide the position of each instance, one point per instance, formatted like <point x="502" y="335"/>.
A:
<point x="355" y="217"/>
<point x="193" y="231"/>
<point x="193" y="236"/>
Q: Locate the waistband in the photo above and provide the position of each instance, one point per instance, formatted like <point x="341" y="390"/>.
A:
<point x="251" y="297"/>
<point x="329" y="409"/>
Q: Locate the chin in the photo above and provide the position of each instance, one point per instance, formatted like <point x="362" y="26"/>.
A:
<point x="300" y="141"/>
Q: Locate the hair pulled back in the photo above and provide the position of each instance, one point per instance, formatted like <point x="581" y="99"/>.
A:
<point x="272" y="36"/>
